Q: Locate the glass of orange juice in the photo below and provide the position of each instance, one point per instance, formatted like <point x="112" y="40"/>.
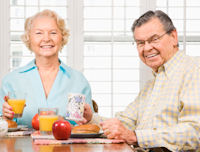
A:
<point x="47" y="116"/>
<point x="17" y="102"/>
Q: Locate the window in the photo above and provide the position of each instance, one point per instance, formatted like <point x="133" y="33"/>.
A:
<point x="187" y="20"/>
<point x="111" y="63"/>
<point x="100" y="41"/>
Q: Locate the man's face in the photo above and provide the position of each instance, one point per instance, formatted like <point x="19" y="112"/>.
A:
<point x="155" y="46"/>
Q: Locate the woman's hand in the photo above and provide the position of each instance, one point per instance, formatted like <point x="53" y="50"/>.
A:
<point x="87" y="115"/>
<point x="87" y="112"/>
<point x="60" y="118"/>
<point x="7" y="109"/>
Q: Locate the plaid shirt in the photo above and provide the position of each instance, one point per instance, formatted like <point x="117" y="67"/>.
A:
<point x="166" y="112"/>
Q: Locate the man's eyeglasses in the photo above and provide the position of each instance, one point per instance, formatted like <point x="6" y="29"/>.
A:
<point x="152" y="40"/>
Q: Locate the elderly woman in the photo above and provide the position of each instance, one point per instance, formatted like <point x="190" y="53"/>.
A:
<point x="46" y="80"/>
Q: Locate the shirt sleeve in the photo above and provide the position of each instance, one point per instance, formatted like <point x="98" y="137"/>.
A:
<point x="129" y="116"/>
<point x="183" y="135"/>
<point x="3" y="92"/>
<point x="97" y="119"/>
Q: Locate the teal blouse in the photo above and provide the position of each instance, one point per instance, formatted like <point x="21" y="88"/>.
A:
<point x="27" y="80"/>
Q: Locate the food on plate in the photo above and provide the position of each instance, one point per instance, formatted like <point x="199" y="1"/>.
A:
<point x="11" y="123"/>
<point x="61" y="130"/>
<point x="86" y="129"/>
<point x="35" y="122"/>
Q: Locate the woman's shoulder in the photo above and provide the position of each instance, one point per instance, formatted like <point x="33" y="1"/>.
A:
<point x="73" y="74"/>
<point x="17" y="72"/>
<point x="70" y="71"/>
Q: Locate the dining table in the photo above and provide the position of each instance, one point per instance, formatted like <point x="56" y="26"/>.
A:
<point x="26" y="144"/>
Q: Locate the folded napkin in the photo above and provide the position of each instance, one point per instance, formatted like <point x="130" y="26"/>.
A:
<point x="49" y="139"/>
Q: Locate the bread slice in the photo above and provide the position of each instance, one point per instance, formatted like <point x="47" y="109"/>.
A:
<point x="86" y="129"/>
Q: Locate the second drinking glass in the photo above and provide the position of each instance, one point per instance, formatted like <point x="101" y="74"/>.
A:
<point x="47" y="116"/>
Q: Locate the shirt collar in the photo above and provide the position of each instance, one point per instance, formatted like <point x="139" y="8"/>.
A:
<point x="160" y="69"/>
<point x="170" y="66"/>
<point x="31" y="66"/>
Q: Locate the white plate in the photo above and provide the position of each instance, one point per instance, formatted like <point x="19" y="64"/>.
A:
<point x="19" y="127"/>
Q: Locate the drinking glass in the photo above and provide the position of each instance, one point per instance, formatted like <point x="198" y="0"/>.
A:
<point x="17" y="102"/>
<point x="47" y="116"/>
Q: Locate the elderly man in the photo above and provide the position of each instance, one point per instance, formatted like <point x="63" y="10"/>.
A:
<point x="166" y="112"/>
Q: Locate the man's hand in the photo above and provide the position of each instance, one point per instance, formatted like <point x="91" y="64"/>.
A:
<point x="87" y="115"/>
<point x="114" y="129"/>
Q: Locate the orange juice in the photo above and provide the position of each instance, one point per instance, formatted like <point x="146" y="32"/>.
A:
<point x="17" y="105"/>
<point x="46" y="122"/>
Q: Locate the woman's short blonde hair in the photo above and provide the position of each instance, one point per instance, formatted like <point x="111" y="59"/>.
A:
<point x="46" y="13"/>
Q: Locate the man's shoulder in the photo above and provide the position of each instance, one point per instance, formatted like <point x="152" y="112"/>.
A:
<point x="188" y="67"/>
<point x="196" y="61"/>
<point x="190" y="62"/>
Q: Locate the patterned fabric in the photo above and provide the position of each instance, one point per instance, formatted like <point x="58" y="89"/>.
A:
<point x="166" y="112"/>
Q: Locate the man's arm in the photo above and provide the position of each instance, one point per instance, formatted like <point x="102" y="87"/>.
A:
<point x="129" y="116"/>
<point x="122" y="127"/>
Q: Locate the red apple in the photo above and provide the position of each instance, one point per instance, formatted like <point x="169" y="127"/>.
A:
<point x="61" y="130"/>
<point x="35" y="122"/>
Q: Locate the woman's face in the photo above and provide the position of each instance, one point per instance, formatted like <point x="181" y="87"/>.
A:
<point x="45" y="37"/>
